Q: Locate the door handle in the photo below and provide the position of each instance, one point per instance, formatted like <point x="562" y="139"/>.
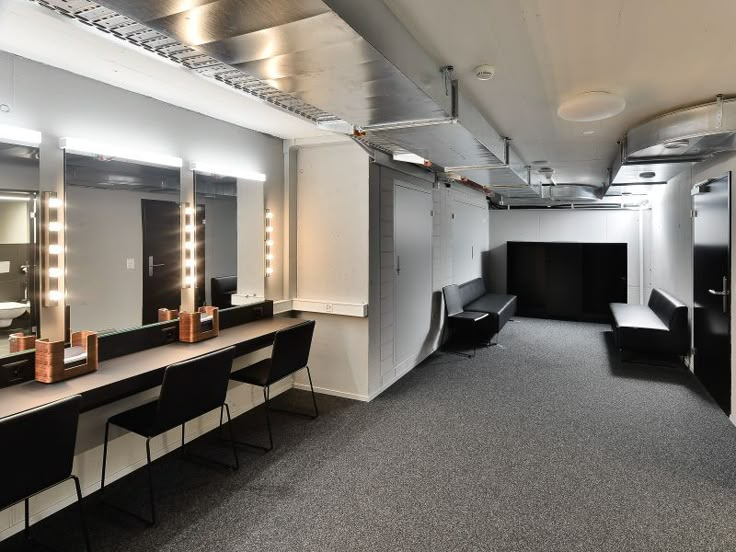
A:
<point x="723" y="293"/>
<point x="151" y="265"/>
<point x="398" y="265"/>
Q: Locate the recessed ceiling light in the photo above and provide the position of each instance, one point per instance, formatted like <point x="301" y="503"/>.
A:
<point x="589" y="132"/>
<point x="677" y="144"/>
<point x="591" y="106"/>
<point x="647" y="174"/>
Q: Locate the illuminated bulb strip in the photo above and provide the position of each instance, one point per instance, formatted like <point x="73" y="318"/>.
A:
<point x="189" y="278"/>
<point x="219" y="170"/>
<point x="268" y="247"/>
<point x="53" y="258"/>
<point x="89" y="147"/>
<point x="21" y="136"/>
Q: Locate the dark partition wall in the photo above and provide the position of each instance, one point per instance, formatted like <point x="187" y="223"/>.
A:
<point x="570" y="281"/>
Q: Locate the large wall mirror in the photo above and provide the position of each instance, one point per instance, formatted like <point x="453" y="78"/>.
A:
<point x="216" y="238"/>
<point x="123" y="242"/>
<point x="19" y="184"/>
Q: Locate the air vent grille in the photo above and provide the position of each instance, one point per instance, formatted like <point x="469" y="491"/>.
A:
<point x="125" y="28"/>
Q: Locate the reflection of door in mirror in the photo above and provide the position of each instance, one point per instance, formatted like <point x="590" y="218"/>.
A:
<point x="18" y="252"/>
<point x="122" y="224"/>
<point x="217" y="235"/>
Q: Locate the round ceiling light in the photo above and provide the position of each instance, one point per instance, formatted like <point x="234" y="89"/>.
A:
<point x="647" y="174"/>
<point x="591" y="106"/>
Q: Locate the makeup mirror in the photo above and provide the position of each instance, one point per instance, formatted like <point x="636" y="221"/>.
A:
<point x="216" y="198"/>
<point x="123" y="242"/>
<point x="19" y="305"/>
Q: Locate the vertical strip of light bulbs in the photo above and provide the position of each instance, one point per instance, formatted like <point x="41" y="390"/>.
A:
<point x="268" y="249"/>
<point x="190" y="262"/>
<point x="52" y="228"/>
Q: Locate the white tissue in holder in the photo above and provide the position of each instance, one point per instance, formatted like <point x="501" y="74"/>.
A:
<point x="4" y="267"/>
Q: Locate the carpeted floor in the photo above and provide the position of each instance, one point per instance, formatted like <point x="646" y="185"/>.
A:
<point x="545" y="445"/>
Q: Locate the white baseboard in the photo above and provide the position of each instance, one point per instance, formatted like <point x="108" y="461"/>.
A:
<point x="197" y="431"/>
<point x="333" y="392"/>
<point x="732" y="417"/>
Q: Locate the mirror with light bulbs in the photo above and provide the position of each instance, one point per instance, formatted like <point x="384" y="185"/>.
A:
<point x="123" y="241"/>
<point x="216" y="199"/>
<point x="19" y="252"/>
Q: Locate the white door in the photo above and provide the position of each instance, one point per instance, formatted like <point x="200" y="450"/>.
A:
<point x="413" y="274"/>
<point x="470" y="240"/>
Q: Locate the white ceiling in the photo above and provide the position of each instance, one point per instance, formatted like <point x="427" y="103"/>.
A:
<point x="658" y="54"/>
<point x="37" y="33"/>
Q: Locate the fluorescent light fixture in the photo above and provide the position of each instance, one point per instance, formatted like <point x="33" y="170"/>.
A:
<point x="89" y="147"/>
<point x="219" y="170"/>
<point x="14" y="198"/>
<point x="409" y="158"/>
<point x="20" y="136"/>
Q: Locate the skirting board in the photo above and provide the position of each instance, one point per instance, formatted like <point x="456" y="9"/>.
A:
<point x="169" y="446"/>
<point x="333" y="392"/>
<point x="733" y="419"/>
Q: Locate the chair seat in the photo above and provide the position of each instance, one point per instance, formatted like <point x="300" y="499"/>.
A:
<point x="255" y="374"/>
<point x="468" y="317"/>
<point x="140" y="420"/>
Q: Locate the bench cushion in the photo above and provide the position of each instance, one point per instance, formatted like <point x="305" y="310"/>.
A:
<point x="639" y="328"/>
<point x="498" y="306"/>
<point x="636" y="316"/>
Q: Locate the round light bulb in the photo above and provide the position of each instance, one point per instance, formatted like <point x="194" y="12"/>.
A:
<point x="269" y="243"/>
<point x="56" y="295"/>
<point x="269" y="215"/>
<point x="54" y="272"/>
<point x="269" y="271"/>
<point x="54" y="226"/>
<point x="269" y="229"/>
<point x="55" y="202"/>
<point x="55" y="249"/>
<point x="269" y="257"/>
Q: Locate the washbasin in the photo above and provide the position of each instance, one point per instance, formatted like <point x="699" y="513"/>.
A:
<point x="9" y="311"/>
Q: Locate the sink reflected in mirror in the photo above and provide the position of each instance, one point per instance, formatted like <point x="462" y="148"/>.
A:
<point x="19" y="184"/>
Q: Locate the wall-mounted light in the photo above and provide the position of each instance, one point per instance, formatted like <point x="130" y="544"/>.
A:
<point x="20" y="136"/>
<point x="268" y="247"/>
<point x="189" y="259"/>
<point x="89" y="147"/>
<point x="220" y="170"/>
<point x="53" y="251"/>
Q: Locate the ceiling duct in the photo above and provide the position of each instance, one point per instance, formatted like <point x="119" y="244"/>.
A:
<point x="656" y="151"/>
<point x="339" y="63"/>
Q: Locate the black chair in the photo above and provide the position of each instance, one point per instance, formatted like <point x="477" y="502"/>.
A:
<point x="290" y="354"/>
<point x="222" y="290"/>
<point x="189" y="390"/>
<point x="461" y="321"/>
<point x="38" y="454"/>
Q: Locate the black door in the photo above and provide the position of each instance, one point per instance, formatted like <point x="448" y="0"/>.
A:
<point x="711" y="281"/>
<point x="161" y="257"/>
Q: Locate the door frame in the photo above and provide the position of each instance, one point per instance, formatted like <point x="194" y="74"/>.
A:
<point x="694" y="190"/>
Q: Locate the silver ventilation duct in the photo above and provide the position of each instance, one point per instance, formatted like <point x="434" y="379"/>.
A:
<point x="659" y="149"/>
<point x="339" y="63"/>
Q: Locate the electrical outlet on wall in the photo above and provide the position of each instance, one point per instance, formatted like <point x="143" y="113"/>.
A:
<point x="328" y="307"/>
<point x="130" y="264"/>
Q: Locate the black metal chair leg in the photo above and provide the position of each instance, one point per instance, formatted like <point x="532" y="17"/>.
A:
<point x="150" y="481"/>
<point x="82" y="523"/>
<point x="266" y="397"/>
<point x="232" y="436"/>
<point x="104" y="457"/>
<point x="314" y="398"/>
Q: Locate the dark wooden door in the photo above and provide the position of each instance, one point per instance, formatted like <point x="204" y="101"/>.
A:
<point x="711" y="288"/>
<point x="161" y="257"/>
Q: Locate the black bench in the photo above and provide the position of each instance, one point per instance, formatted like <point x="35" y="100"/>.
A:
<point x="499" y="307"/>
<point x="471" y="307"/>
<point x="660" y="327"/>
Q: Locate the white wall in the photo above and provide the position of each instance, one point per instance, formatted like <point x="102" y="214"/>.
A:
<point x="63" y="104"/>
<point x="565" y="226"/>
<point x="332" y="261"/>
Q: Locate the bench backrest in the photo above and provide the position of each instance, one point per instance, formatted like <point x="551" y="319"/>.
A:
<point x="472" y="290"/>
<point x="670" y="310"/>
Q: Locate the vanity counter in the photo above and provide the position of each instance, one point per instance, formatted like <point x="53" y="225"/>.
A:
<point x="127" y="375"/>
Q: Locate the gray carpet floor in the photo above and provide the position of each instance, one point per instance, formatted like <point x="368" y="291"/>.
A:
<point x="547" y="444"/>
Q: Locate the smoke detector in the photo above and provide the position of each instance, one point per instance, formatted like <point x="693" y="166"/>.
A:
<point x="485" y="72"/>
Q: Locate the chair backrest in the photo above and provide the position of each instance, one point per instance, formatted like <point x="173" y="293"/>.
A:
<point x="193" y="388"/>
<point x="453" y="302"/>
<point x="291" y="350"/>
<point x="472" y="290"/>
<point x="669" y="309"/>
<point x="222" y="290"/>
<point x="37" y="449"/>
